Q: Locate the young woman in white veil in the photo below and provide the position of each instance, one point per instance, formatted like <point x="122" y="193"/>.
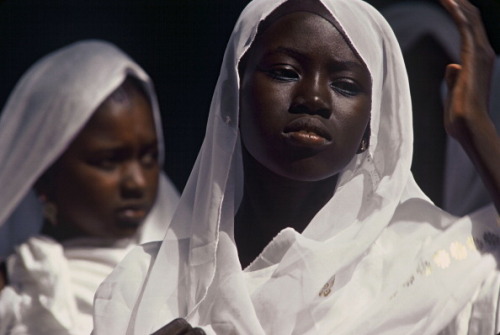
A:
<point x="307" y="154"/>
<point x="81" y="147"/>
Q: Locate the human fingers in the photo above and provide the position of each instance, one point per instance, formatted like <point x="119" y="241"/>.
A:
<point x="472" y="83"/>
<point x="451" y="75"/>
<point x="198" y="331"/>
<point x="470" y="25"/>
<point x="176" y="327"/>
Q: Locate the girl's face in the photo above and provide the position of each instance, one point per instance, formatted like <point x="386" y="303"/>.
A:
<point x="106" y="182"/>
<point x="305" y="99"/>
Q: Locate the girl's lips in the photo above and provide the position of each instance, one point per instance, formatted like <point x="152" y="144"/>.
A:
<point x="307" y="131"/>
<point x="131" y="214"/>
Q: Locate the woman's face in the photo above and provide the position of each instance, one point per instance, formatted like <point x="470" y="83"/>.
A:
<point x="106" y="182"/>
<point x="305" y="99"/>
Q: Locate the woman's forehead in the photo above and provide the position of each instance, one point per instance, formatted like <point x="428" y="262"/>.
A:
<point x="318" y="8"/>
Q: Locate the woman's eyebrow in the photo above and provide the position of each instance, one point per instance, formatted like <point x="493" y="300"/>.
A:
<point x="287" y="51"/>
<point x="349" y="65"/>
<point x="336" y="64"/>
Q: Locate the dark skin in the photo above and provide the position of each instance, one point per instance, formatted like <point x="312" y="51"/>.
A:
<point x="466" y="113"/>
<point x="105" y="183"/>
<point x="289" y="195"/>
<point x="305" y="106"/>
<point x="179" y="327"/>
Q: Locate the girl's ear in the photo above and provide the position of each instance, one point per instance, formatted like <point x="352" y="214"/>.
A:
<point x="45" y="191"/>
<point x="44" y="186"/>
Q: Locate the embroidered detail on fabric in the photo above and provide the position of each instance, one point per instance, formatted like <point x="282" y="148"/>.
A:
<point x="491" y="239"/>
<point x="458" y="251"/>
<point x="327" y="288"/>
<point x="424" y="268"/>
<point x="443" y="259"/>
<point x="409" y="282"/>
<point x="375" y="177"/>
<point x="478" y="244"/>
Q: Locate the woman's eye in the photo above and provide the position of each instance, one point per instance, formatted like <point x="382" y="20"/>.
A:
<point x="283" y="74"/>
<point x="346" y="87"/>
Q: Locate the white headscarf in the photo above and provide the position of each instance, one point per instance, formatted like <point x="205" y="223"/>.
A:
<point x="47" y="109"/>
<point x="377" y="259"/>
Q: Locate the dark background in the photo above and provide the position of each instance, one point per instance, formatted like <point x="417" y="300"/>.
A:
<point x="180" y="43"/>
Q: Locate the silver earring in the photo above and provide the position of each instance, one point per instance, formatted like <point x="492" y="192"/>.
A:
<point x="49" y="210"/>
<point x="363" y="146"/>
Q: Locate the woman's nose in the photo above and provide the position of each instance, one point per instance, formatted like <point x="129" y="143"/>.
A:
<point x="313" y="96"/>
<point x="133" y="180"/>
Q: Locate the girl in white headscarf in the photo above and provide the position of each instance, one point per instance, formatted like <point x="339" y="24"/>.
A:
<point x="307" y="154"/>
<point x="81" y="149"/>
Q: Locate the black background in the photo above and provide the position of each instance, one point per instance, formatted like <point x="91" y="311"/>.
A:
<point x="179" y="43"/>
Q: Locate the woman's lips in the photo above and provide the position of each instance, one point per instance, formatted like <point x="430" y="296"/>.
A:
<point x="307" y="131"/>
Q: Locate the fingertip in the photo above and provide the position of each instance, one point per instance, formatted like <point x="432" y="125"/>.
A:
<point x="198" y="331"/>
<point x="451" y="74"/>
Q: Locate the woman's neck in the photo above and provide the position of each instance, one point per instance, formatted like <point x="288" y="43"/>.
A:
<point x="271" y="203"/>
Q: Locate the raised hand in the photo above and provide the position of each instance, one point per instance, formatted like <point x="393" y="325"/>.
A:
<point x="466" y="112"/>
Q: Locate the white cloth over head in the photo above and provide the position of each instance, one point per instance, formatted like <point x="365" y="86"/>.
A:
<point x="52" y="285"/>
<point x="47" y="109"/>
<point x="378" y="258"/>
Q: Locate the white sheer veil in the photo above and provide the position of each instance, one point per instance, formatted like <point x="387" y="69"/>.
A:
<point x="46" y="110"/>
<point x="379" y="234"/>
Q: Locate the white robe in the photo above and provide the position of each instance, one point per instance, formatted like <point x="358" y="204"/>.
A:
<point x="378" y="258"/>
<point x="51" y="286"/>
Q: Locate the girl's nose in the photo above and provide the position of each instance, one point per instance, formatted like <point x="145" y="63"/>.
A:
<point x="133" y="180"/>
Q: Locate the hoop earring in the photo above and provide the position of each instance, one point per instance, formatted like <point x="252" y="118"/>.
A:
<point x="49" y="210"/>
<point x="363" y="146"/>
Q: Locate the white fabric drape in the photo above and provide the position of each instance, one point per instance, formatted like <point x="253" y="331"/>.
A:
<point x="379" y="258"/>
<point x="49" y="106"/>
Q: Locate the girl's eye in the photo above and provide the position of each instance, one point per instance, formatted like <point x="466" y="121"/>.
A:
<point x="283" y="74"/>
<point x="107" y="163"/>
<point x="346" y="87"/>
<point x="149" y="158"/>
